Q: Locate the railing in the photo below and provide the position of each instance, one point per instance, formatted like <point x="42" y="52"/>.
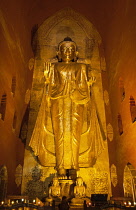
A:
<point x="109" y="205"/>
<point x="26" y="206"/>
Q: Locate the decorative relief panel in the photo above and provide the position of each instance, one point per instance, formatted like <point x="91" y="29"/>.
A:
<point x="35" y="187"/>
<point x="100" y="183"/>
<point x="31" y="64"/>
<point x="89" y="47"/>
<point x="110" y="132"/>
<point x="69" y="14"/>
<point x="114" y="179"/>
<point x="128" y="191"/>
<point x="95" y="180"/>
<point x="36" y="182"/>
<point x="62" y="24"/>
<point x="18" y="175"/>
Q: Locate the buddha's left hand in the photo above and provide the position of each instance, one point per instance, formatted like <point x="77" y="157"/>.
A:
<point x="91" y="81"/>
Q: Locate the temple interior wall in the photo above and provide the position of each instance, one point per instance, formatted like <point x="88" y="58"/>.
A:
<point x="115" y="21"/>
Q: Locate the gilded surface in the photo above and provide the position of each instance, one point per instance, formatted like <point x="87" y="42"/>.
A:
<point x="96" y="179"/>
<point x="35" y="186"/>
<point x="66" y="187"/>
<point x="130" y="181"/>
<point x="79" y="189"/>
<point x="37" y="180"/>
<point x="31" y="64"/>
<point x="55" y="189"/>
<point x="18" y="175"/>
<point x="100" y="183"/>
<point x="110" y="132"/>
<point x="67" y="104"/>
<point x="89" y="146"/>
<point x="45" y="43"/>
<point x="128" y="191"/>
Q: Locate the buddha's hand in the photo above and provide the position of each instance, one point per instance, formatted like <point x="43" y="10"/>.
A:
<point x="47" y="68"/>
<point x="91" y="81"/>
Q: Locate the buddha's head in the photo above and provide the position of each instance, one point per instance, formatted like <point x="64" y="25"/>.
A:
<point x="55" y="181"/>
<point x="67" y="50"/>
<point x="79" y="181"/>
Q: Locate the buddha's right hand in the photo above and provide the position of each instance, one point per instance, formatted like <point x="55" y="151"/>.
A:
<point x="47" y="68"/>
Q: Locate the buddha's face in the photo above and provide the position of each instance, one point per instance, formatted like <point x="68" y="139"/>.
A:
<point x="67" y="51"/>
<point x="79" y="181"/>
<point x="55" y="182"/>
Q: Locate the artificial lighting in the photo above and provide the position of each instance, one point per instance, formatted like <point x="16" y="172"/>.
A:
<point x="129" y="203"/>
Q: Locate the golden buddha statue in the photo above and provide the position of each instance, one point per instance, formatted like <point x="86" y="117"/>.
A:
<point x="79" y="189"/>
<point x="55" y="190"/>
<point x="66" y="113"/>
<point x="79" y="192"/>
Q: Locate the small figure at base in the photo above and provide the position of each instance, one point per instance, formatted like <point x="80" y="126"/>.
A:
<point x="79" y="193"/>
<point x="54" y="190"/>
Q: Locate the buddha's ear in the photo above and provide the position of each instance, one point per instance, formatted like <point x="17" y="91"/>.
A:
<point x="76" y="56"/>
<point x="59" y="55"/>
<point x="76" y="53"/>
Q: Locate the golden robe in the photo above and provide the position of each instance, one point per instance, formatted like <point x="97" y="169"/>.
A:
<point x="67" y="114"/>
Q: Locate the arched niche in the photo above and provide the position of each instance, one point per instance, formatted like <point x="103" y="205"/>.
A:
<point x="45" y="40"/>
<point x="14" y="122"/>
<point x="68" y="22"/>
<point x="13" y="85"/>
<point x="129" y="182"/>
<point x="120" y="125"/>
<point x="132" y="108"/>
<point x="3" y="104"/>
